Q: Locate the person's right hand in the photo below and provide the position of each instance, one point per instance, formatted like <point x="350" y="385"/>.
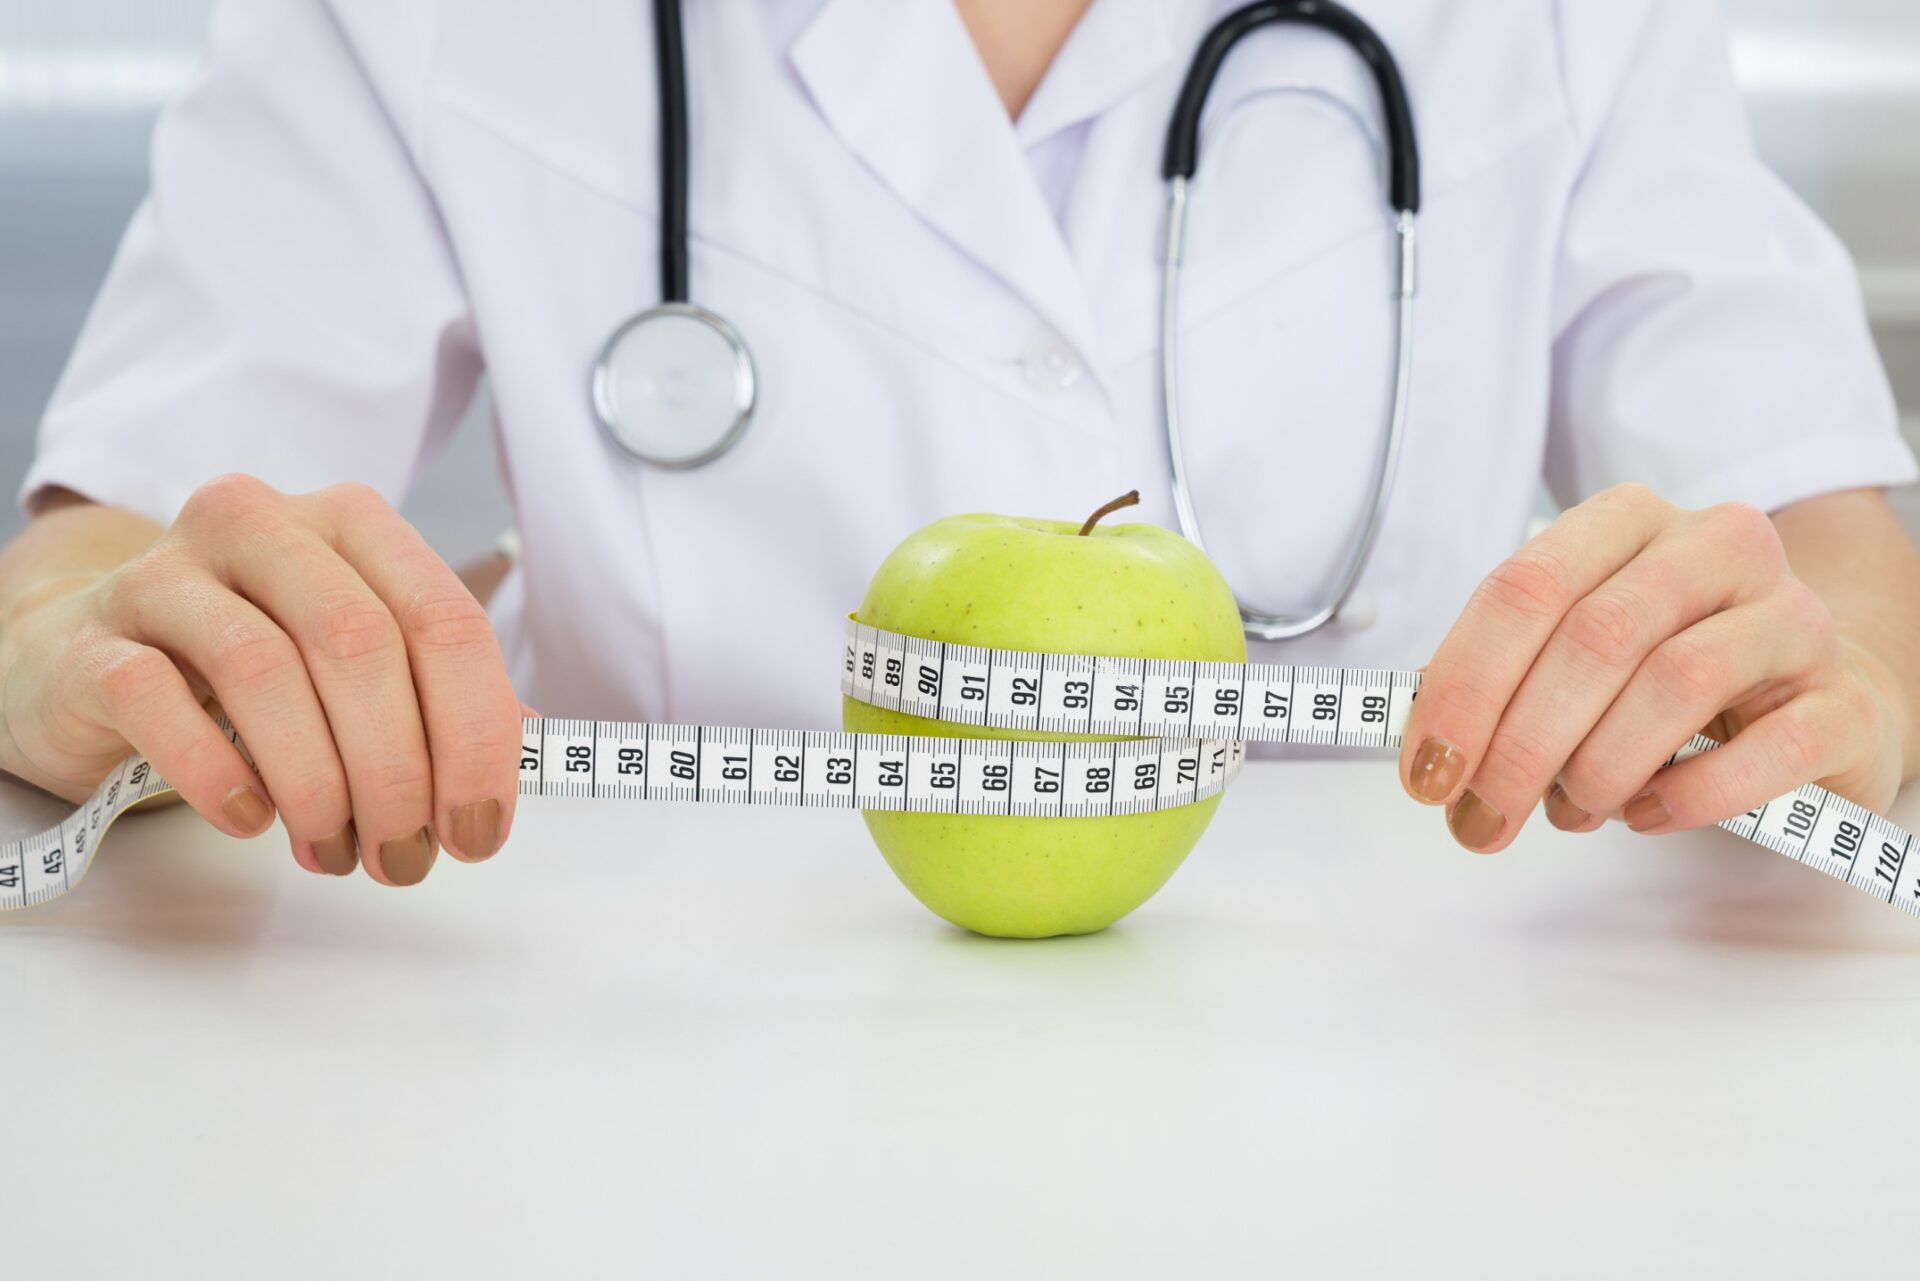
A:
<point x="362" y="675"/>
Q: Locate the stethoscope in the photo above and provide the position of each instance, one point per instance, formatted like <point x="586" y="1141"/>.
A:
<point x="675" y="385"/>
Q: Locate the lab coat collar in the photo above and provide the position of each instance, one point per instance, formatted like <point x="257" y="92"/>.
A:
<point x="1115" y="49"/>
<point x="892" y="76"/>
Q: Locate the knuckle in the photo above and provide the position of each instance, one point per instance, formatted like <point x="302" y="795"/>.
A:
<point x="1532" y="583"/>
<point x="1806" y="615"/>
<point x="394" y="783"/>
<point x="352" y="498"/>
<point x="1522" y="756"/>
<point x="1806" y="608"/>
<point x="447" y="621"/>
<point x="1597" y="785"/>
<point x="1858" y="706"/>
<point x="131" y="679"/>
<point x="195" y="756"/>
<point x="225" y="497"/>
<point x="1632" y="495"/>
<point x="350" y="626"/>
<point x="312" y="794"/>
<point x="1607" y="629"/>
<point x="254" y="654"/>
<point x="129" y="589"/>
<point x="489" y="741"/>
<point x="1723" y="791"/>
<point x="1797" y="746"/>
<point x="1464" y="697"/>
<point x="1747" y="530"/>
<point x="1694" y="676"/>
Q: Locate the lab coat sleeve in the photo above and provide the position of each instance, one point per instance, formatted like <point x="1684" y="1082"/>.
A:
<point x="1710" y="339"/>
<point x="285" y="302"/>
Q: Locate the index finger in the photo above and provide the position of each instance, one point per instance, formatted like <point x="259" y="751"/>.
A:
<point x="1505" y="625"/>
<point x="467" y="703"/>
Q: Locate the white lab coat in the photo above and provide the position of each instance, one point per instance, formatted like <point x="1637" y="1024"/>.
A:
<point x="365" y="204"/>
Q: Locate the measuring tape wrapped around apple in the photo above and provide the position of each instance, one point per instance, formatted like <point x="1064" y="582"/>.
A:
<point x="1036" y="741"/>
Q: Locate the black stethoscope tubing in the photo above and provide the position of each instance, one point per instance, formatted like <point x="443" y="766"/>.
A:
<point x="676" y="386"/>
<point x="1182" y="155"/>
<point x="670" y="52"/>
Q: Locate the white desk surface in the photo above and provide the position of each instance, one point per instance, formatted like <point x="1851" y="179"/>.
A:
<point x="662" y="1041"/>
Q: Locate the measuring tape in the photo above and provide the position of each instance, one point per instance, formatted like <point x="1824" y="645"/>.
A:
<point x="1182" y="728"/>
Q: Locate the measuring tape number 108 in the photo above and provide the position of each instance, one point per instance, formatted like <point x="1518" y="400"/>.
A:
<point x="1178" y="733"/>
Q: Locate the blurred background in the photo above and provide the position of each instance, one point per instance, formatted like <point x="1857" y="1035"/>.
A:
<point x="1833" y="85"/>
<point x="80" y="84"/>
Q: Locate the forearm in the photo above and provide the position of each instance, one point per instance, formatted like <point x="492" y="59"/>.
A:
<point x="1850" y="548"/>
<point x="70" y="545"/>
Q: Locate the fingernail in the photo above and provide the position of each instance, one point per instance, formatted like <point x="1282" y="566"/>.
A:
<point x="475" y="829"/>
<point x="405" y="859"/>
<point x="1436" y="771"/>
<point x="1563" y="813"/>
<point x="337" y="855"/>
<point x="1646" y="812"/>
<point x="1474" y="822"/>
<point x="247" y="810"/>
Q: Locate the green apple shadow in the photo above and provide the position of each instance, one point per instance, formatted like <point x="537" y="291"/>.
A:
<point x="1134" y="967"/>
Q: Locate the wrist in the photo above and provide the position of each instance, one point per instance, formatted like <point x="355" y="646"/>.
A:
<point x="18" y="617"/>
<point x="44" y="592"/>
<point x="68" y="548"/>
<point x="1895" y="697"/>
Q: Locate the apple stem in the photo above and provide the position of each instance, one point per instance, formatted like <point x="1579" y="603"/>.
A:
<point x="1128" y="499"/>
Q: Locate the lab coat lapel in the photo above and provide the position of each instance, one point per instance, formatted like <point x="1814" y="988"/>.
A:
<point x="1116" y="48"/>
<point x="893" y="78"/>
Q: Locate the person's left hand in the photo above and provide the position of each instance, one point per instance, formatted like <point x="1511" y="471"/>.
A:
<point x="1609" y="640"/>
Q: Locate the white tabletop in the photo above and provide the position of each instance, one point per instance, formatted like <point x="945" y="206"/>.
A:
<point x="669" y="1041"/>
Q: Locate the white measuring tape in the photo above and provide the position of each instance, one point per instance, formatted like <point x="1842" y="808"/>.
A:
<point x="1186" y="726"/>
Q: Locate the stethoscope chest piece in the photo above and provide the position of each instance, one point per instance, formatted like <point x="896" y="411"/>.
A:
<point x="674" y="386"/>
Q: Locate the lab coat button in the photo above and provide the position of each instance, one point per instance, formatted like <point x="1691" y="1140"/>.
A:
<point x="1052" y="366"/>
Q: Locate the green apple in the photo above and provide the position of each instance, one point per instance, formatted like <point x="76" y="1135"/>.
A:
<point x="1131" y="591"/>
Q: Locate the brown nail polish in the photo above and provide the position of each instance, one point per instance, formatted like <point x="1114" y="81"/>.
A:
<point x="1563" y="813"/>
<point x="475" y="829"/>
<point x="247" y="810"/>
<point x="338" y="854"/>
<point x="1436" y="771"/>
<point x="405" y="859"/>
<point x="1646" y="812"/>
<point x="1474" y="822"/>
